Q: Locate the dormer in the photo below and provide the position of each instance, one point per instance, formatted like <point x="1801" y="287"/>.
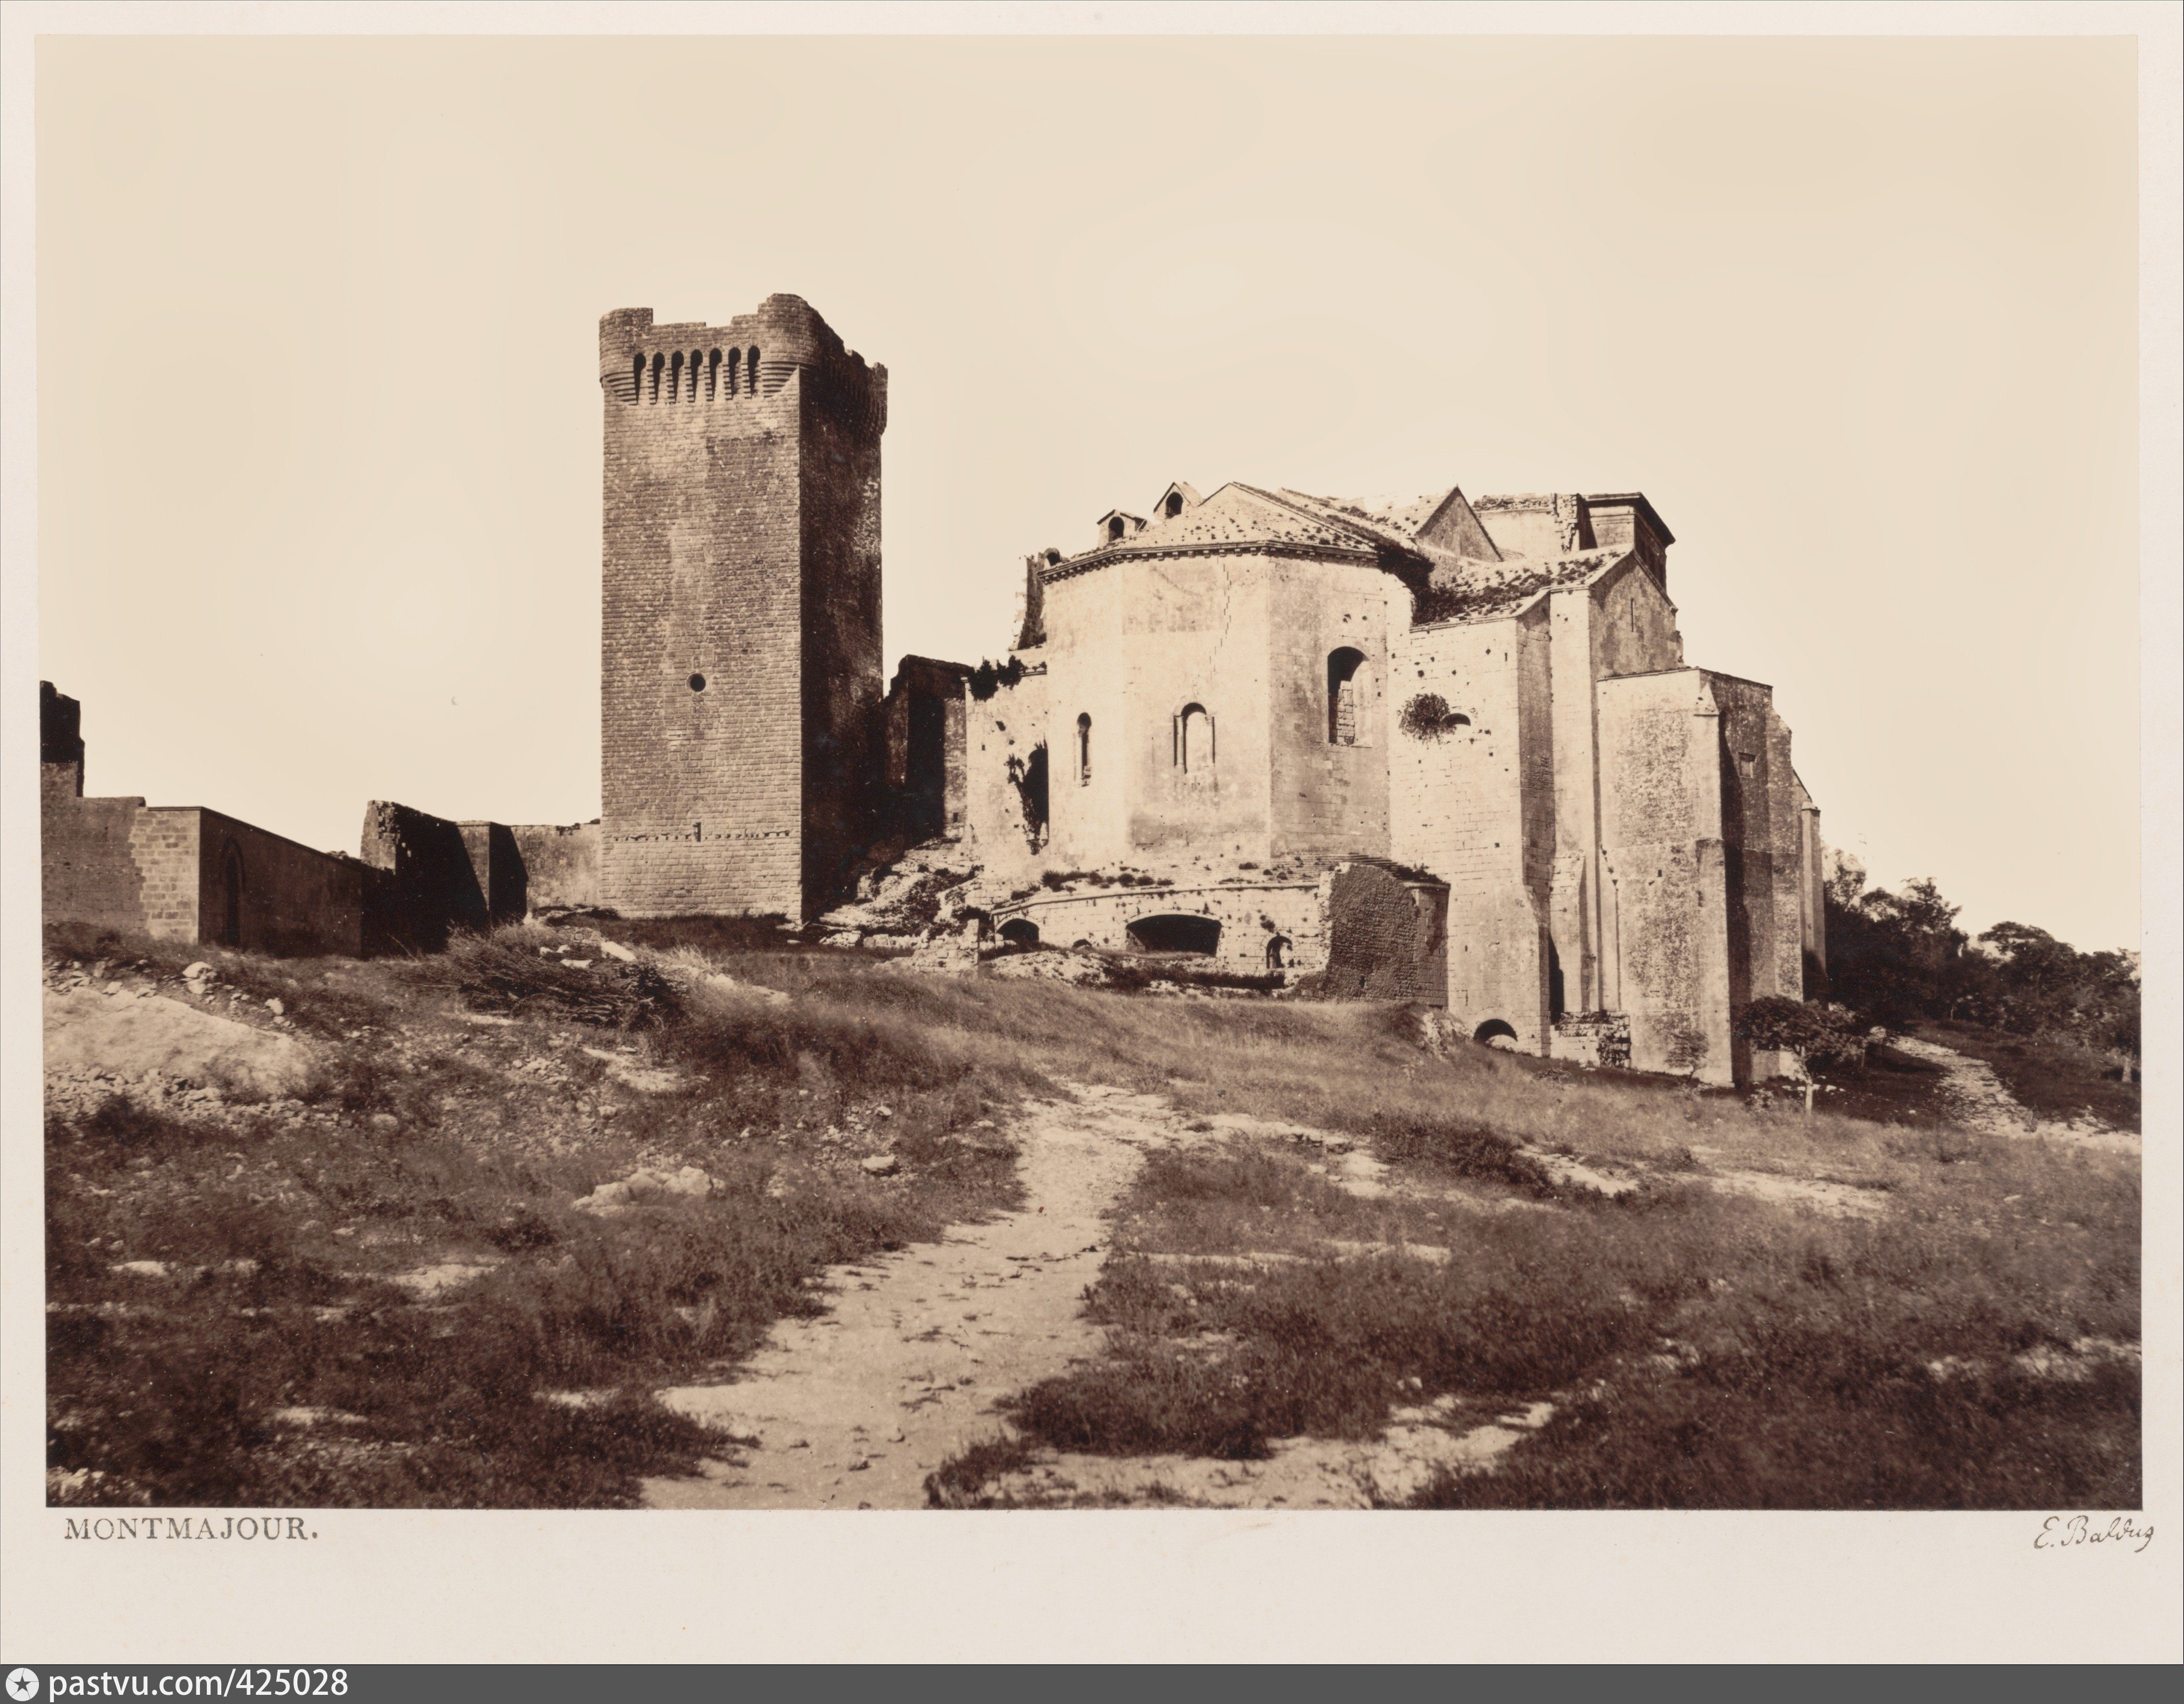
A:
<point x="1173" y="501"/>
<point x="1117" y="527"/>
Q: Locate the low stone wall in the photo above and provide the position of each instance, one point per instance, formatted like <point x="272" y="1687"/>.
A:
<point x="288" y="900"/>
<point x="560" y="865"/>
<point x="1360" y="932"/>
<point x="1599" y="1037"/>
<point x="184" y="873"/>
<point x="1252" y="916"/>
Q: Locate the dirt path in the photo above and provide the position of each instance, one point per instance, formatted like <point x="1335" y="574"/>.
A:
<point x="853" y="1409"/>
<point x="1978" y="1098"/>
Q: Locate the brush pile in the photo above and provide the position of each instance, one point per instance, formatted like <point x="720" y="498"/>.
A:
<point x="505" y="974"/>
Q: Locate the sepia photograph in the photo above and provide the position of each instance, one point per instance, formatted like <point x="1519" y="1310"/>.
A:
<point x="1174" y="769"/>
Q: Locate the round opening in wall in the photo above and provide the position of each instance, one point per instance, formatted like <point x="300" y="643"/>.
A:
<point x="697" y="684"/>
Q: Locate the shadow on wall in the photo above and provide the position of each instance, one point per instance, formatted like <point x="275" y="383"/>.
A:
<point x="1175" y="932"/>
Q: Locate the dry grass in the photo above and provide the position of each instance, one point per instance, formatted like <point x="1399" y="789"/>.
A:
<point x="1703" y="1350"/>
<point x="430" y="1142"/>
<point x="1801" y="1345"/>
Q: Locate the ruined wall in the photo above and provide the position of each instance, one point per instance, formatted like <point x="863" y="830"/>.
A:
<point x="924" y="724"/>
<point x="1131" y="645"/>
<point x="1460" y="810"/>
<point x="560" y="863"/>
<point x="60" y="742"/>
<point x="1387" y="936"/>
<point x="740" y="637"/>
<point x="1251" y="915"/>
<point x="1537" y="525"/>
<point x="1008" y="777"/>
<point x="434" y="886"/>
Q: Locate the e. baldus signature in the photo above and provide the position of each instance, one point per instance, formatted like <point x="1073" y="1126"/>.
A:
<point x="2066" y="1532"/>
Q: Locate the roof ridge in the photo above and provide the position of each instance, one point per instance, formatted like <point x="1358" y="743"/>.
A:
<point x="1276" y="497"/>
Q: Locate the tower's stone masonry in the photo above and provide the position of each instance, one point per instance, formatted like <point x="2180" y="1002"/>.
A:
<point x="740" y="658"/>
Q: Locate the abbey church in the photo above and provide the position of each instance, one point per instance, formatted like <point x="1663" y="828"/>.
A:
<point x="1438" y="748"/>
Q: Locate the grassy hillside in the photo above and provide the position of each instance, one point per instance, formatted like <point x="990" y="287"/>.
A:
<point x="1721" y="1332"/>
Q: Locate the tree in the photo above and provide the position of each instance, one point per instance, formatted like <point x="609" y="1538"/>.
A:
<point x="1811" y="1033"/>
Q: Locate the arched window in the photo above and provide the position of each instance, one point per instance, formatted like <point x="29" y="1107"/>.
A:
<point x="675" y="377"/>
<point x="1084" y="750"/>
<point x="751" y="368"/>
<point x="713" y="376"/>
<point x="1345" y="686"/>
<point x="1194" y="739"/>
<point x="658" y="367"/>
<point x="1115" y="530"/>
<point x="1173" y="506"/>
<point x="636" y="379"/>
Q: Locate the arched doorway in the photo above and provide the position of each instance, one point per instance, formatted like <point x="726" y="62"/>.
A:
<point x="1020" y="931"/>
<point x="1494" y="1032"/>
<point x="230" y="897"/>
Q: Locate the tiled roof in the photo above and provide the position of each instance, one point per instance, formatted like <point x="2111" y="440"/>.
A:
<point x="1238" y="515"/>
<point x="1486" y="590"/>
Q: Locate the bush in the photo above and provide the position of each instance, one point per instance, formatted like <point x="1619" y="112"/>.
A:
<point x="1816" y="1035"/>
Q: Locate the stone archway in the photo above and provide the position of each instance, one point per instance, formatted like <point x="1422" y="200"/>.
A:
<point x="1176" y="932"/>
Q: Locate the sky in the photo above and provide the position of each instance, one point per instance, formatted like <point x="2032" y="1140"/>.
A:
<point x="319" y="420"/>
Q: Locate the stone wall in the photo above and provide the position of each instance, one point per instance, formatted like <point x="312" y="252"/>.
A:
<point x="1329" y="799"/>
<point x="1595" y="1038"/>
<point x="1665" y="889"/>
<point x="180" y="872"/>
<point x="261" y="891"/>
<point x="1131" y="648"/>
<point x="924" y="777"/>
<point x="1387" y="936"/>
<point x="1461" y="809"/>
<point x="560" y="863"/>
<point x="1705" y="850"/>
<point x="1008" y="777"/>
<point x="1251" y="914"/>
<point x="435" y="885"/>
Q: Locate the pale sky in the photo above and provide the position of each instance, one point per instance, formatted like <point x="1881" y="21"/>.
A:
<point x="319" y="430"/>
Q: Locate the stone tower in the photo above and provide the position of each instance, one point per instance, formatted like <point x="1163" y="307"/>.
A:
<point x="741" y="640"/>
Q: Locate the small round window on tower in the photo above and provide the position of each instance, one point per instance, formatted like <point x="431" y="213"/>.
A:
<point x="697" y="684"/>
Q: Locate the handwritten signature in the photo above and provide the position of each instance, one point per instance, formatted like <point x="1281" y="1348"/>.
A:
<point x="2060" y="1532"/>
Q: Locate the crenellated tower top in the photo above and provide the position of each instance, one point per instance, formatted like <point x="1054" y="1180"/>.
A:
<point x="753" y="356"/>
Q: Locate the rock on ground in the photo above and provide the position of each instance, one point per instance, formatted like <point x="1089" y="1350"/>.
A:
<point x="129" y="1034"/>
